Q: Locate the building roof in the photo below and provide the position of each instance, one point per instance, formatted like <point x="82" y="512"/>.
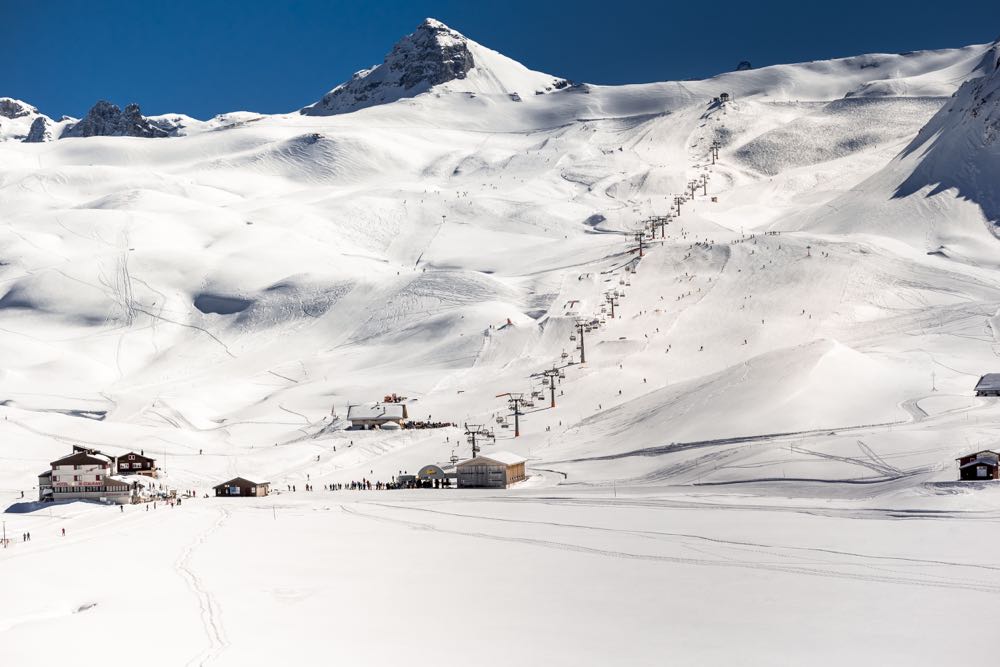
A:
<point x="505" y="458"/>
<point x="136" y="455"/>
<point x="977" y="463"/>
<point x="387" y="411"/>
<point x="235" y="481"/>
<point x="982" y="451"/>
<point x="47" y="473"/>
<point x="989" y="382"/>
<point x="82" y="458"/>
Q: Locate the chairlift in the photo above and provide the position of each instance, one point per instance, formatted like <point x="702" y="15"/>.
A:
<point x="499" y="420"/>
<point x="572" y="337"/>
<point x="545" y="381"/>
<point x="603" y="321"/>
<point x="562" y="376"/>
<point x="505" y="425"/>
<point x="564" y="355"/>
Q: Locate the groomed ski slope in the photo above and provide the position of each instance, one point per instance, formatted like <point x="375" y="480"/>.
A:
<point x="755" y="463"/>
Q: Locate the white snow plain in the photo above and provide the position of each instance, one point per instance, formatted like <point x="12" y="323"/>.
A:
<point x="755" y="465"/>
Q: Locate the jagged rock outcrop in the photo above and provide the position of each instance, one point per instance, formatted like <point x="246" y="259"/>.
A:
<point x="39" y="131"/>
<point x="107" y="120"/>
<point x="744" y="66"/>
<point x="434" y="55"/>
<point x="11" y="108"/>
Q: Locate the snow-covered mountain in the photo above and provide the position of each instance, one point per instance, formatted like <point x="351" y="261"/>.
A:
<point x="434" y="56"/>
<point x="787" y="374"/>
<point x="960" y="147"/>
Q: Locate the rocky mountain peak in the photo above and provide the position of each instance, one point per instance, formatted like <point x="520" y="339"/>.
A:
<point x="39" y="131"/>
<point x="11" y="108"/>
<point x="107" y="120"/>
<point x="429" y="56"/>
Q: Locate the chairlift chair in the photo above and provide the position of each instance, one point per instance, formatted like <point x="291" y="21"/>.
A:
<point x="572" y="337"/>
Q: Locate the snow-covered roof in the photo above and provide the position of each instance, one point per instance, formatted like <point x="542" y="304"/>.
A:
<point x="506" y="458"/>
<point x="388" y="411"/>
<point x="989" y="382"/>
<point x="236" y="480"/>
<point x="80" y="458"/>
<point x="979" y="454"/>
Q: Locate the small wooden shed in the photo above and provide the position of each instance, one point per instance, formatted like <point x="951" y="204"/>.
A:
<point x="239" y="486"/>
<point x="498" y="470"/>
<point x="988" y="385"/>
<point x="982" y="465"/>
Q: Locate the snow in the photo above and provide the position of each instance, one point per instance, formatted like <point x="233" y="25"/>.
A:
<point x="506" y="458"/>
<point x="760" y="446"/>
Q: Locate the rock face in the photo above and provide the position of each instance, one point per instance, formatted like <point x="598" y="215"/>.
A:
<point x="433" y="54"/>
<point x="39" y="131"/>
<point x="106" y="120"/>
<point x="11" y="108"/>
<point x="743" y="66"/>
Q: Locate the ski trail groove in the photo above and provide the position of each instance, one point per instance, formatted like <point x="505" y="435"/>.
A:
<point x="209" y="607"/>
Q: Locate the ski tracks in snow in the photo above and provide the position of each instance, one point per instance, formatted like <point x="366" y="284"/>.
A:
<point x="836" y="565"/>
<point x="210" y="613"/>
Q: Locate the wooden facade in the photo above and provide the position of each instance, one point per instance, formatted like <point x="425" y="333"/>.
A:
<point x="988" y="385"/>
<point x="136" y="464"/>
<point x="239" y="487"/>
<point x="980" y="466"/>
<point x="495" y="471"/>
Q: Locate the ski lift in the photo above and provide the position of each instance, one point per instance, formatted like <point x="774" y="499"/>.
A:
<point x="545" y="381"/>
<point x="603" y="321"/>
<point x="564" y="355"/>
<point x="499" y="420"/>
<point x="562" y="375"/>
<point x="572" y="337"/>
<point x="504" y="425"/>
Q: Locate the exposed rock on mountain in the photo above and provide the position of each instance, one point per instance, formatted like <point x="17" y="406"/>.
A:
<point x="11" y="108"/>
<point x="434" y="55"/>
<point x="39" y="131"/>
<point x="107" y="120"/>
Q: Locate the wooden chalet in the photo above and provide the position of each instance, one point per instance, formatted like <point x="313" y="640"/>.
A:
<point x="136" y="464"/>
<point x="241" y="487"/>
<point x="984" y="465"/>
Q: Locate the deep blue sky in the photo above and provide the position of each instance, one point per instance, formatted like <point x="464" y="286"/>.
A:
<point x="206" y="57"/>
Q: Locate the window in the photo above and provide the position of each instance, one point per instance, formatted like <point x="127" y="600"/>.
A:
<point x="131" y="457"/>
<point x="981" y="471"/>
